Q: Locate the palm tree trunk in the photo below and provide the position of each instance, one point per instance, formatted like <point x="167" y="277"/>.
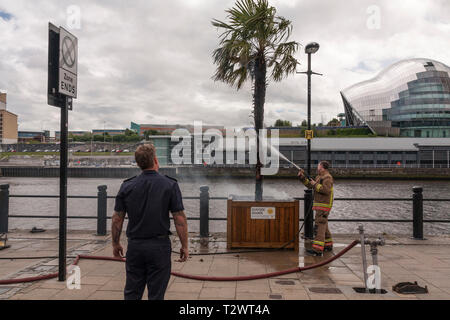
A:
<point x="259" y="95"/>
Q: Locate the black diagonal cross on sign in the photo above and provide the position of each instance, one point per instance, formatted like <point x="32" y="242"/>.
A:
<point x="68" y="52"/>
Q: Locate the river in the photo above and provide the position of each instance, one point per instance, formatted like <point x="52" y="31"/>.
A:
<point x="279" y="188"/>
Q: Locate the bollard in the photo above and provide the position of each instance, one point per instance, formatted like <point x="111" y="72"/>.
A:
<point x="308" y="215"/>
<point x="204" y="211"/>
<point x="101" y="210"/>
<point x="418" y="213"/>
<point x="362" y="241"/>
<point x="4" y="207"/>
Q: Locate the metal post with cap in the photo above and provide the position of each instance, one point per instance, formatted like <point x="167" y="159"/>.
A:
<point x="4" y="215"/>
<point x="204" y="211"/>
<point x="418" y="213"/>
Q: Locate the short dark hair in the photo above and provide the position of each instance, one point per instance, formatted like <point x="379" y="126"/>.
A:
<point x="325" y="164"/>
<point x="145" y="156"/>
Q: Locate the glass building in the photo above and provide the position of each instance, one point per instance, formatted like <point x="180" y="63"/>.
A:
<point x="409" y="98"/>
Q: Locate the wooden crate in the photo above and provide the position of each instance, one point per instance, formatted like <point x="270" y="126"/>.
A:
<point x="245" y="232"/>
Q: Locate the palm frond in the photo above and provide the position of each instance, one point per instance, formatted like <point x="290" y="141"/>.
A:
<point x="253" y="31"/>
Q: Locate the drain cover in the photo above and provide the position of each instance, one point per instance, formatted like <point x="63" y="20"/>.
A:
<point x="409" y="288"/>
<point x="325" y="290"/>
<point x="285" y="282"/>
<point x="373" y="291"/>
<point x="276" y="296"/>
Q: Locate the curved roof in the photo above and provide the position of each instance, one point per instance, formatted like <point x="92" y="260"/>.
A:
<point x="397" y="74"/>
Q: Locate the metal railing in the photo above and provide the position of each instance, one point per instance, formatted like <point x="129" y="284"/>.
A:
<point x="417" y="201"/>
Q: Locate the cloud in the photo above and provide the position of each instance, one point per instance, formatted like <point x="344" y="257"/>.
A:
<point x="5" y="15"/>
<point x="150" y="61"/>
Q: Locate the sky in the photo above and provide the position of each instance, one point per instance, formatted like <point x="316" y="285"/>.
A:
<point x="151" y="61"/>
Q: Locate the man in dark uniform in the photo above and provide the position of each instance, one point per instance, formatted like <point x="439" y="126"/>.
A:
<point x="147" y="200"/>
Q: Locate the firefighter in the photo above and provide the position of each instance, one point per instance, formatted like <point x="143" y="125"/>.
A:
<point x="323" y="202"/>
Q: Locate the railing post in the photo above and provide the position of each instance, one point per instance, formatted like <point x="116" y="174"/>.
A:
<point x="417" y="213"/>
<point x="101" y="210"/>
<point x="308" y="214"/>
<point x="204" y="211"/>
<point x="4" y="207"/>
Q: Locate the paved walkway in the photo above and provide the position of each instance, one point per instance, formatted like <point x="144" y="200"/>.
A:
<point x="401" y="259"/>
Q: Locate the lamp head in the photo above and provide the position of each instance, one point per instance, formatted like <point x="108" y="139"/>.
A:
<point x="312" y="47"/>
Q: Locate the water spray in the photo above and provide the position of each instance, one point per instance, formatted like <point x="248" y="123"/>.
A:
<point x="280" y="155"/>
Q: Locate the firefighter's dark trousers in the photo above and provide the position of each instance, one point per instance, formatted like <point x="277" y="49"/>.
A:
<point x="148" y="263"/>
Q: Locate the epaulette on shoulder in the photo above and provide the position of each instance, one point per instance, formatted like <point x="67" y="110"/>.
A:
<point x="171" y="178"/>
<point x="129" y="179"/>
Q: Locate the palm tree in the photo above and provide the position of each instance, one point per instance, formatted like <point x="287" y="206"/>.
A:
<point x="254" y="41"/>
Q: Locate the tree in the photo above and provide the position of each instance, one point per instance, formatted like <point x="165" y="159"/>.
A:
<point x="282" y="123"/>
<point x="304" y="123"/>
<point x="253" y="42"/>
<point x="151" y="132"/>
<point x="334" y="123"/>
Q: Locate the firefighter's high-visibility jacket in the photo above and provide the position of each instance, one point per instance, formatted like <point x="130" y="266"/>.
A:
<point x="323" y="192"/>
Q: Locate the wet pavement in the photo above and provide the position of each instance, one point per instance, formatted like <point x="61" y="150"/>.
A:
<point x="401" y="259"/>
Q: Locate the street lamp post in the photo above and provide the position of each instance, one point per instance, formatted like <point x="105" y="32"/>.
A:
<point x="308" y="218"/>
<point x="310" y="49"/>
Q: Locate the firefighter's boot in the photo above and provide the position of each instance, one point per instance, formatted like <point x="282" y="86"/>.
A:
<point x="316" y="248"/>
<point x="328" y="245"/>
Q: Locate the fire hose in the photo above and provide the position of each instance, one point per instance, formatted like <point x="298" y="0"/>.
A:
<point x="188" y="276"/>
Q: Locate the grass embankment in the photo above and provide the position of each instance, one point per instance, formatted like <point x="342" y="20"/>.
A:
<point x="36" y="154"/>
<point x="325" y="136"/>
<point x="41" y="154"/>
<point x="84" y="154"/>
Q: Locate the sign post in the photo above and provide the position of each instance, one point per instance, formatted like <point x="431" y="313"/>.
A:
<point x="61" y="89"/>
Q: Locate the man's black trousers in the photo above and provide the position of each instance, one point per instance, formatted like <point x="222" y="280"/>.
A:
<point x="148" y="263"/>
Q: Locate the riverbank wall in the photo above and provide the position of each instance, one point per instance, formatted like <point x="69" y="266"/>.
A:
<point x="338" y="173"/>
<point x="227" y="172"/>
<point x="80" y="172"/>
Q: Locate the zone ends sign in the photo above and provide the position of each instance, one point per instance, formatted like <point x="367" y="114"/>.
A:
<point x="68" y="60"/>
<point x="62" y="66"/>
